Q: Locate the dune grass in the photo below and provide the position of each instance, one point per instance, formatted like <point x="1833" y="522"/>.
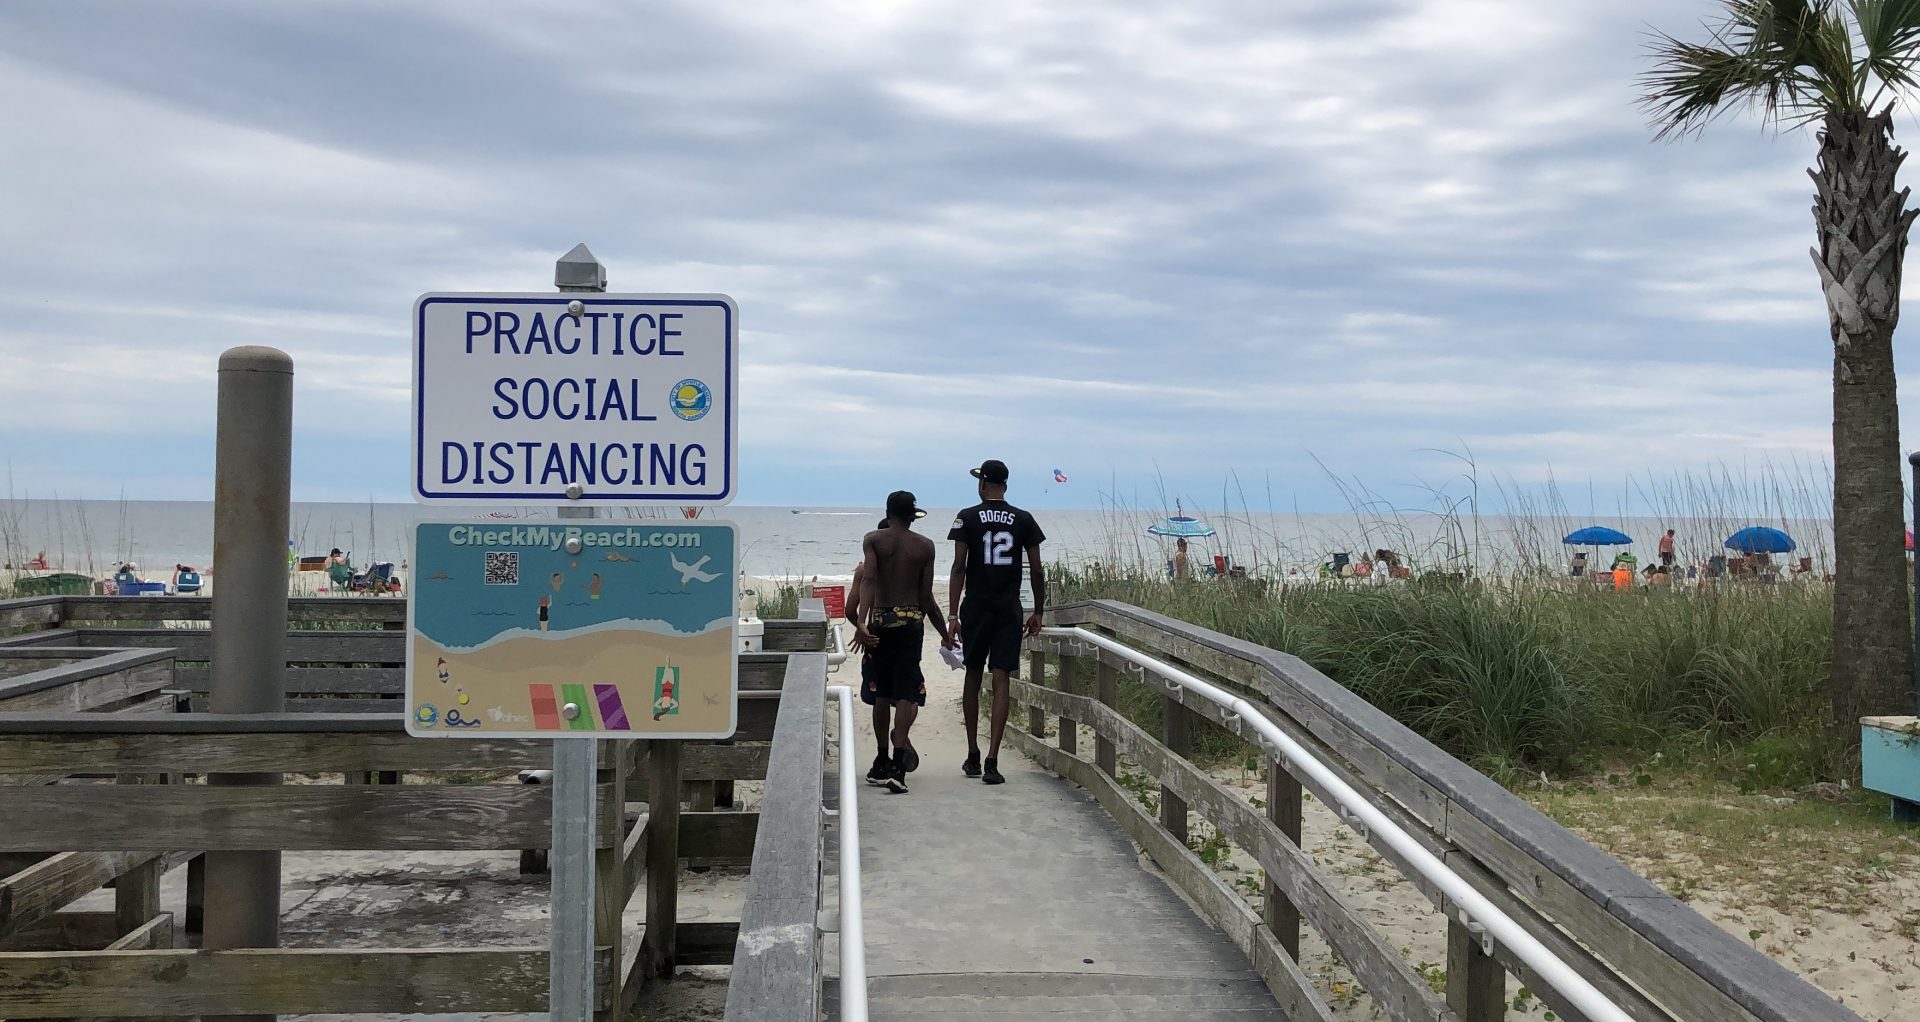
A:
<point x="1527" y="677"/>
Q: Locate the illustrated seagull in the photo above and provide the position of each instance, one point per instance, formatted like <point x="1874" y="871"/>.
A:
<point x="692" y="572"/>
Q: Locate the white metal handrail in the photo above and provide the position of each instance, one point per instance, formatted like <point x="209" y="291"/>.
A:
<point x="853" y="943"/>
<point x="1476" y="912"/>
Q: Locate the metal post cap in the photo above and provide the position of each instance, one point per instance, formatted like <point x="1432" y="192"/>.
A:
<point x="255" y="358"/>
<point x="579" y="270"/>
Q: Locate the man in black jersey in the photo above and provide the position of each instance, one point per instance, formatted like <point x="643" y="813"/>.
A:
<point x="990" y="539"/>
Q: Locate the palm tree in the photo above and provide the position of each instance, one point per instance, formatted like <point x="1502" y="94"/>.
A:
<point x="1838" y="65"/>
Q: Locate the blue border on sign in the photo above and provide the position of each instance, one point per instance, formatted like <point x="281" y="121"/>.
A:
<point x="420" y="404"/>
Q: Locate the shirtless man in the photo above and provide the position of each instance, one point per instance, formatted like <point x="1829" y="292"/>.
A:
<point x="896" y="595"/>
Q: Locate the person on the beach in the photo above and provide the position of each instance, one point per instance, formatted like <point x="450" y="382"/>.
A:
<point x="1666" y="549"/>
<point x="896" y="596"/>
<point x="989" y="539"/>
<point x="1382" y="570"/>
<point x="1181" y="569"/>
<point x="855" y="613"/>
<point x="545" y="601"/>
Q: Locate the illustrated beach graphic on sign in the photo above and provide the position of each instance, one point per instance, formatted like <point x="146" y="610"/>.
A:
<point x="541" y="629"/>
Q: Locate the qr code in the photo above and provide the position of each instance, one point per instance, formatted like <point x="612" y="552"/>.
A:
<point x="503" y="568"/>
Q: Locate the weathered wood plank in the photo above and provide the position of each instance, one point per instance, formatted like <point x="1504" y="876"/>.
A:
<point x="54" y="883"/>
<point x="610" y="892"/>
<point x="154" y="934"/>
<point x="1476" y="986"/>
<point x="343" y="647"/>
<point x="633" y="856"/>
<point x="49" y="637"/>
<point x="718" y="835"/>
<point x="794" y="636"/>
<point x="88" y="684"/>
<point x="1106" y="690"/>
<point x="1284" y="810"/>
<point x="30" y="612"/>
<point x="136" y="893"/>
<point x="1283" y="976"/>
<point x="109" y="817"/>
<point x="301" y="609"/>
<point x="320" y="752"/>
<point x="1375" y="964"/>
<point x="658" y="953"/>
<point x="776" y="960"/>
<point x="64" y="931"/>
<point x="364" y="681"/>
<point x="180" y="982"/>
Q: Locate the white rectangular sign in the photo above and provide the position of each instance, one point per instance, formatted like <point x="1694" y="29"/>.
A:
<point x="631" y="397"/>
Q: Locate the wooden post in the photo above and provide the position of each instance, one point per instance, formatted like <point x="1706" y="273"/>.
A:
<point x="1037" y="673"/>
<point x="136" y="893"/>
<point x="1069" y="728"/>
<point x="1476" y="986"/>
<point x="723" y="787"/>
<point x="1106" y="685"/>
<point x="1283" y="808"/>
<point x="610" y="881"/>
<point x="1173" y="734"/>
<point x="658" y="947"/>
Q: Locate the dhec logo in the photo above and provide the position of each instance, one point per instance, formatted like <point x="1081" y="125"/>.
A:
<point x="427" y="715"/>
<point x="691" y="400"/>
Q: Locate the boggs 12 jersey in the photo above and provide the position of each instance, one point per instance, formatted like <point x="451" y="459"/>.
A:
<point x="997" y="534"/>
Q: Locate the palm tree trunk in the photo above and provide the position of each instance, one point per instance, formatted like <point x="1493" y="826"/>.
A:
<point x="1863" y="224"/>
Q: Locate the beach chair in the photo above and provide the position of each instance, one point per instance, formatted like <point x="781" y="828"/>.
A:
<point x="377" y="579"/>
<point x="186" y="580"/>
<point x="341" y="575"/>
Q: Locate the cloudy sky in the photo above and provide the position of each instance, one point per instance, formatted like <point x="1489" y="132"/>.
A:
<point x="1155" y="246"/>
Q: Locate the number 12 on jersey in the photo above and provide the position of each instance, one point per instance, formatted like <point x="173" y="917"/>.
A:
<point x="997" y="547"/>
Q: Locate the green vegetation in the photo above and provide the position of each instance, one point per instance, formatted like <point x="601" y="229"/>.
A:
<point x="783" y="604"/>
<point x="1536" y="676"/>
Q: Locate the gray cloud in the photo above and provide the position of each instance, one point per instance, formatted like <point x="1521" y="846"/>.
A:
<point x="1132" y="243"/>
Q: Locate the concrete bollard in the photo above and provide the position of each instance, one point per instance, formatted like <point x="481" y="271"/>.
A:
<point x="252" y="483"/>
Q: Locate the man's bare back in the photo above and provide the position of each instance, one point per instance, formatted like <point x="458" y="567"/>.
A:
<point x="900" y="570"/>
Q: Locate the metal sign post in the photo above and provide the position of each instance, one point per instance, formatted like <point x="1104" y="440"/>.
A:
<point x="570" y="866"/>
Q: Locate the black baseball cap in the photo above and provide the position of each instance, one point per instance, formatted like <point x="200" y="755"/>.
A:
<point x="992" y="470"/>
<point x="900" y="504"/>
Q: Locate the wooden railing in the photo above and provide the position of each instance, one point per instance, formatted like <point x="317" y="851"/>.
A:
<point x="1655" y="958"/>
<point x="777" y="962"/>
<point x="63" y="964"/>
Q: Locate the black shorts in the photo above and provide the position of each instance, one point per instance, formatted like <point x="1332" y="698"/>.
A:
<point x="990" y="635"/>
<point x="1666" y="557"/>
<point x="890" y="671"/>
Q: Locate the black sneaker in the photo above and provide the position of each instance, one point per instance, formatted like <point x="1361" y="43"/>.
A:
<point x="880" y="772"/>
<point x="907" y="759"/>
<point x="972" y="766"/>
<point x="993" y="773"/>
<point x="896" y="781"/>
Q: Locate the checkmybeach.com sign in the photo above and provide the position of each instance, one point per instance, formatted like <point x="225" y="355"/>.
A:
<point x="628" y="398"/>
<point x="552" y="537"/>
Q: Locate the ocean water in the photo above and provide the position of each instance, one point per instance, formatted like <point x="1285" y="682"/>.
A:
<point x="93" y="536"/>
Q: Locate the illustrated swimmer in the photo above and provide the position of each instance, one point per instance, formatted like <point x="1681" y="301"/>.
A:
<point x="444" y="675"/>
<point x="593" y="587"/>
<point x="666" y="703"/>
<point x="556" y="581"/>
<point x="545" y="602"/>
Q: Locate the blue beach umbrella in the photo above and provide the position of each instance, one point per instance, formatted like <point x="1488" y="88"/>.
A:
<point x="1597" y="535"/>
<point x="1758" y="539"/>
<point x="1180" y="526"/>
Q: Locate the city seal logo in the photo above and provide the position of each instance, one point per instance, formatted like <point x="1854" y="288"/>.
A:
<point x="691" y="400"/>
<point x="426" y="715"/>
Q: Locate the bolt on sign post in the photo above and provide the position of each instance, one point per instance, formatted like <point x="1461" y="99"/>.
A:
<point x="575" y="629"/>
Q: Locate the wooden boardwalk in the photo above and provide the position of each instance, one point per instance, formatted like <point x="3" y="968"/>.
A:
<point x="1025" y="901"/>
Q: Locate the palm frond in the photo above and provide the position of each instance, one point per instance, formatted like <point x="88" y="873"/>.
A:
<point x="1889" y="39"/>
<point x="1789" y="58"/>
